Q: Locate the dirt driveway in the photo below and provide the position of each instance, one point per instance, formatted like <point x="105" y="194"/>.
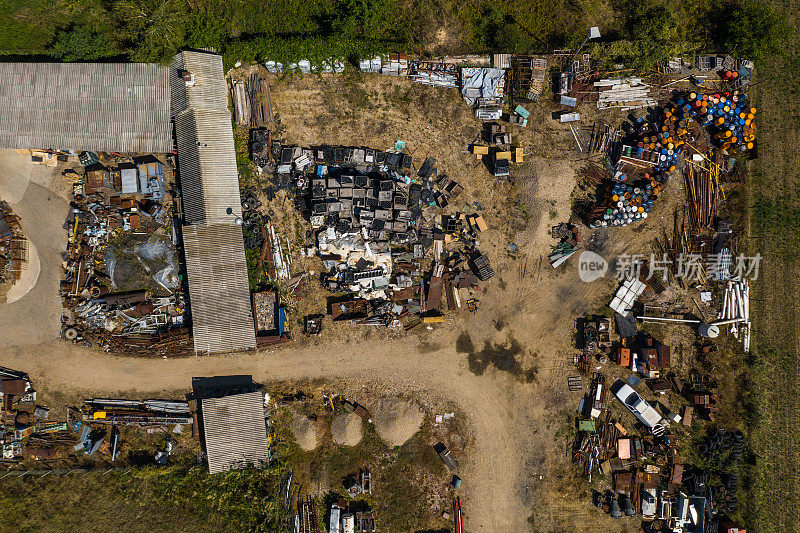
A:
<point x="40" y="203"/>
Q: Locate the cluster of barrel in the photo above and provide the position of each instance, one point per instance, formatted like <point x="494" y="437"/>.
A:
<point x="628" y="203"/>
<point x="662" y="140"/>
<point x="728" y="117"/>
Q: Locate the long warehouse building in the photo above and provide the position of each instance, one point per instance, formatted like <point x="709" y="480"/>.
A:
<point x="219" y="290"/>
<point x="131" y="108"/>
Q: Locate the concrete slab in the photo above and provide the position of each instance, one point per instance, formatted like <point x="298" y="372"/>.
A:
<point x="35" y="317"/>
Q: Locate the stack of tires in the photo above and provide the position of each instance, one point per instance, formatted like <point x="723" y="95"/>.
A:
<point x="722" y="449"/>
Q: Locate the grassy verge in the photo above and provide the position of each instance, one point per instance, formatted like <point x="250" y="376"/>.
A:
<point x="772" y="501"/>
<point x="144" y="499"/>
<point x="405" y="478"/>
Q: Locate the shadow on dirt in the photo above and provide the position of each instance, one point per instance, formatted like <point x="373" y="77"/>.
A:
<point x="502" y="356"/>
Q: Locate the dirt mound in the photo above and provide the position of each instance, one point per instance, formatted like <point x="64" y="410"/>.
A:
<point x="346" y="429"/>
<point x="305" y="431"/>
<point x="396" y="420"/>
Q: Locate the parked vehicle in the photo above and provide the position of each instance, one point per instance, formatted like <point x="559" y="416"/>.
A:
<point x="642" y="410"/>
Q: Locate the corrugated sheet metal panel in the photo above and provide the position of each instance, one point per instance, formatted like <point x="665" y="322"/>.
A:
<point x="210" y="88"/>
<point x="118" y="107"/>
<point x="207" y="165"/>
<point x="219" y="291"/>
<point x="235" y="431"/>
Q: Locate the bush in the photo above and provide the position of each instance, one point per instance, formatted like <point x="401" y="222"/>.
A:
<point x="78" y="43"/>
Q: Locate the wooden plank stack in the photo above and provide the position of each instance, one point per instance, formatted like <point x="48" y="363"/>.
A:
<point x="623" y="93"/>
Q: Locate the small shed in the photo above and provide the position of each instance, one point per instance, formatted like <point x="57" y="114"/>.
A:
<point x="234" y="431"/>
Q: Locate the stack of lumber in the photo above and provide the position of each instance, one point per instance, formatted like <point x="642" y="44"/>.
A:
<point x="623" y="93"/>
<point x="702" y="192"/>
<point x="251" y="101"/>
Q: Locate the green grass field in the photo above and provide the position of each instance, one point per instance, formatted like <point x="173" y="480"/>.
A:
<point x="771" y="501"/>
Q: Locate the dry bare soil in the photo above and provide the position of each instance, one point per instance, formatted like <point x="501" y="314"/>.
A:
<point x="505" y="367"/>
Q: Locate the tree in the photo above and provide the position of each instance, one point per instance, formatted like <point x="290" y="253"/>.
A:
<point x="153" y="30"/>
<point x="79" y="43"/>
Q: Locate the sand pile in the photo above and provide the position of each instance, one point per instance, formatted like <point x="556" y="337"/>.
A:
<point x="305" y="431"/>
<point x="396" y="420"/>
<point x="346" y="429"/>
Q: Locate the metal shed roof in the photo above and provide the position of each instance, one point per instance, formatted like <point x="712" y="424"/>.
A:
<point x="206" y="153"/>
<point x="210" y="90"/>
<point x="207" y="166"/>
<point x="116" y="107"/>
<point x="219" y="291"/>
<point x="235" y="431"/>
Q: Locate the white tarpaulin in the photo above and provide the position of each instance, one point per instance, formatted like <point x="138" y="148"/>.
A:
<point x="485" y="83"/>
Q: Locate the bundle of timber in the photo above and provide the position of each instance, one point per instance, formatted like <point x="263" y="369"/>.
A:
<point x="251" y="101"/>
<point x="623" y="93"/>
<point x="177" y="343"/>
<point x="702" y="190"/>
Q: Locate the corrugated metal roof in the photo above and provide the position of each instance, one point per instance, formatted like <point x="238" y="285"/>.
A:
<point x="210" y="90"/>
<point x="207" y="166"/>
<point x="235" y="431"/>
<point x="117" y="107"/>
<point x="219" y="291"/>
<point x="206" y="153"/>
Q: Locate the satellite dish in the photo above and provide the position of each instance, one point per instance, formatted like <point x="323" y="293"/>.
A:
<point x="238" y="221"/>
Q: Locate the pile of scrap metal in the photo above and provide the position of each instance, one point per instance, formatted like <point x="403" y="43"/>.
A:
<point x="495" y="149"/>
<point x="483" y="88"/>
<point x="434" y="73"/>
<point x="24" y="429"/>
<point x="121" y="222"/>
<point x="271" y="318"/>
<point x="375" y="223"/>
<point x="569" y="237"/>
<point x="692" y="497"/>
<point x="136" y="412"/>
<point x="13" y="245"/>
<point x="274" y="254"/>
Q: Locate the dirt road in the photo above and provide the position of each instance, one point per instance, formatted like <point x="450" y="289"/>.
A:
<point x="491" y="502"/>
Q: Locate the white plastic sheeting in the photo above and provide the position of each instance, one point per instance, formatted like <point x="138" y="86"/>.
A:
<point x="486" y="84"/>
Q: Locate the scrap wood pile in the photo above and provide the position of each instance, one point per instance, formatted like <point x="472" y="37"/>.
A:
<point x="702" y="191"/>
<point x="251" y="101"/>
<point x="13" y="245"/>
<point x="177" y="343"/>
